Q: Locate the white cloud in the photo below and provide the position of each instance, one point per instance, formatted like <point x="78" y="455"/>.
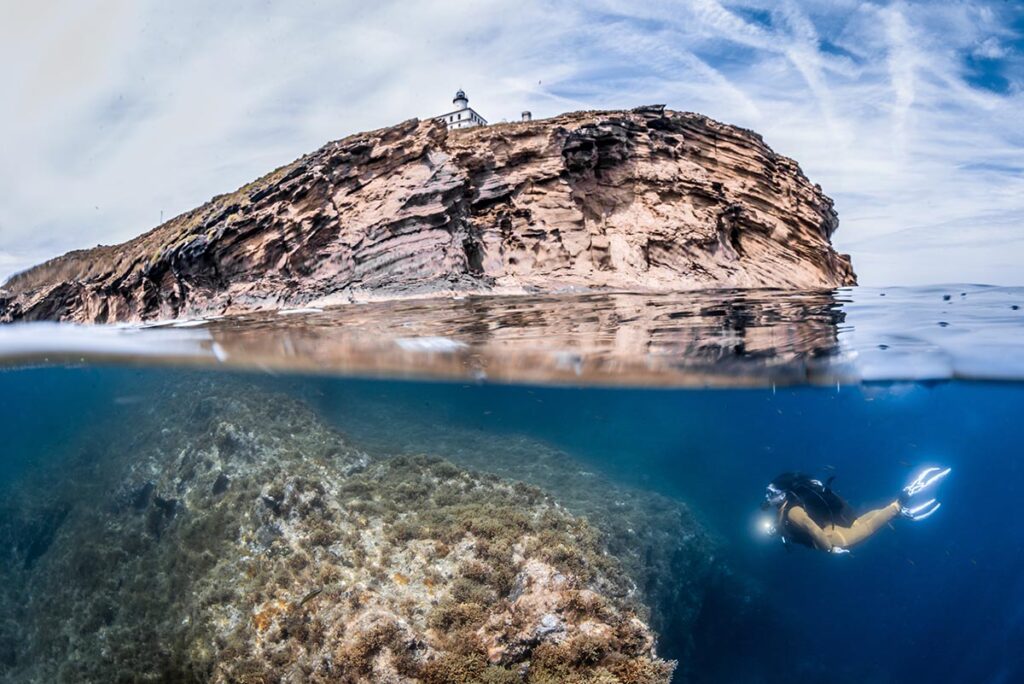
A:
<point x="118" y="111"/>
<point x="990" y="48"/>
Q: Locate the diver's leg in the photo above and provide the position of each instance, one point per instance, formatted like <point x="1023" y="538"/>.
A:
<point x="864" y="526"/>
<point x="877" y="518"/>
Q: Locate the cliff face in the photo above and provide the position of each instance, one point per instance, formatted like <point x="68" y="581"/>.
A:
<point x="644" y="200"/>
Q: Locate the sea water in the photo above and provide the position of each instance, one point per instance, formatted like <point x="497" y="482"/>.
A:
<point x="699" y="400"/>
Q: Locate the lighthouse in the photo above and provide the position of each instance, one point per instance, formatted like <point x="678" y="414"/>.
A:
<point x="463" y="116"/>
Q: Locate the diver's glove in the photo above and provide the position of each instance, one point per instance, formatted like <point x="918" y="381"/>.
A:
<point x="910" y="504"/>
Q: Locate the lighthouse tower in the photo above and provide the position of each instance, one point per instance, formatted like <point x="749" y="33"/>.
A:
<point x="463" y="116"/>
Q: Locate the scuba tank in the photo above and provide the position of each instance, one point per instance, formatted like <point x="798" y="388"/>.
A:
<point x="822" y="505"/>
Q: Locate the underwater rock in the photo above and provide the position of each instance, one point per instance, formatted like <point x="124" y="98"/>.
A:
<point x="670" y="558"/>
<point x="319" y="562"/>
<point x="220" y="485"/>
<point x="648" y="199"/>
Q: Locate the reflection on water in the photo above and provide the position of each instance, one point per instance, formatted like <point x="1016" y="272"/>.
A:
<point x="606" y="338"/>
<point x="684" y="339"/>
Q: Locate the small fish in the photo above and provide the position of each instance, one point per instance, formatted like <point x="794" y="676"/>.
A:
<point x="310" y="596"/>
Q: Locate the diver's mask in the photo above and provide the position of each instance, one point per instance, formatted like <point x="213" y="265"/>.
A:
<point x="773" y="496"/>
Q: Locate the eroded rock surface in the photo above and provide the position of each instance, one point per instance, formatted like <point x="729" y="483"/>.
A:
<point x="658" y="541"/>
<point x="233" y="537"/>
<point x="645" y="199"/>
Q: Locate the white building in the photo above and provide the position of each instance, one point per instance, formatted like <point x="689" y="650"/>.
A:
<point x="463" y="116"/>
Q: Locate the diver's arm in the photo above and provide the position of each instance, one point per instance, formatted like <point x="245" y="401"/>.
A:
<point x="798" y="516"/>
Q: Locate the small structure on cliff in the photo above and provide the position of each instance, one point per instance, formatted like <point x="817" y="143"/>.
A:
<point x="463" y="116"/>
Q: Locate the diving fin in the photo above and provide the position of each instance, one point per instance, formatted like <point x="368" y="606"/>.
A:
<point x="925" y="480"/>
<point x="921" y="511"/>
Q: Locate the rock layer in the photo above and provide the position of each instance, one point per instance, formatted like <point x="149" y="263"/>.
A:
<point x="235" y="538"/>
<point x="646" y="199"/>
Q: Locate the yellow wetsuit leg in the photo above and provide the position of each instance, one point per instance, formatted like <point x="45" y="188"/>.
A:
<point x="833" y="535"/>
<point x="863" y="527"/>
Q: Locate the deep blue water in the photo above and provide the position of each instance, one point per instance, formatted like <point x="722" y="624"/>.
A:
<point x="937" y="601"/>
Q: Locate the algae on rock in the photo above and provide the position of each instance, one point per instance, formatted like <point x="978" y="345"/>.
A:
<point x="231" y="536"/>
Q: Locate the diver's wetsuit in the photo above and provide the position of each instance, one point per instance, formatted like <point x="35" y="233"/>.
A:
<point x="825" y="538"/>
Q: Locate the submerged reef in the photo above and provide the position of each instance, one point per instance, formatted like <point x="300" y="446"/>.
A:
<point x="231" y="535"/>
<point x="658" y="541"/>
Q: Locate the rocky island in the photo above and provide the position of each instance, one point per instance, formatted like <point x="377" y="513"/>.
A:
<point x="647" y="199"/>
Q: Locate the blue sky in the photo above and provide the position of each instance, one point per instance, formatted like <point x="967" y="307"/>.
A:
<point x="909" y="114"/>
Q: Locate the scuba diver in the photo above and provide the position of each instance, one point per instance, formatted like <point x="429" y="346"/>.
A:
<point x="808" y="512"/>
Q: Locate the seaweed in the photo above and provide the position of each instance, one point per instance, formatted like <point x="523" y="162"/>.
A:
<point x="267" y="547"/>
